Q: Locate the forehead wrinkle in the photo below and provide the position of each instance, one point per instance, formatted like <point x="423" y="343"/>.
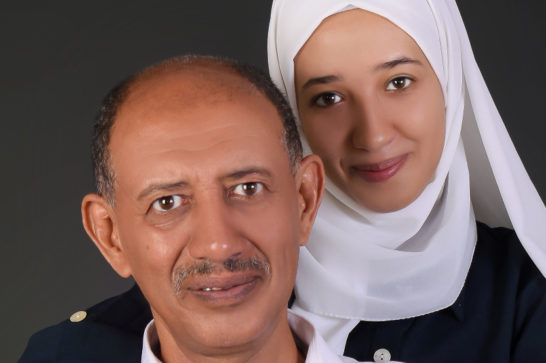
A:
<point x="172" y="99"/>
<point x="202" y="134"/>
<point x="159" y="139"/>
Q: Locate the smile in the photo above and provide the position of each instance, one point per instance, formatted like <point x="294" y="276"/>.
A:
<point x="224" y="290"/>
<point x="382" y="171"/>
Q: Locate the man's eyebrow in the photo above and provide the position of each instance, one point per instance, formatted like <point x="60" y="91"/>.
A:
<point x="166" y="187"/>
<point x="170" y="186"/>
<point x="248" y="171"/>
<point x="395" y="62"/>
<point x="320" y="80"/>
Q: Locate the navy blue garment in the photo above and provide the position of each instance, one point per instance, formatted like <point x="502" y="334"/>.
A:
<point x="500" y="315"/>
<point x="111" y="332"/>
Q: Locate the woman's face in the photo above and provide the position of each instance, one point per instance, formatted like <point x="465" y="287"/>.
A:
<point x="372" y="107"/>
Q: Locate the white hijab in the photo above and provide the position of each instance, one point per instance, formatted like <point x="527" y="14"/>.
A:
<point x="363" y="265"/>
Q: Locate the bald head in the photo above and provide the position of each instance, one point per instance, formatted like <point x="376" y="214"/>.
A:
<point x="194" y="81"/>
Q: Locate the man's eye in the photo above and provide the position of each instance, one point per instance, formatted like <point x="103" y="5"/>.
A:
<point x="167" y="203"/>
<point x="248" y="189"/>
<point x="327" y="99"/>
<point x="399" y="83"/>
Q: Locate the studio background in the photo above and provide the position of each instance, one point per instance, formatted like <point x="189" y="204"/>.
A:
<point x="59" y="60"/>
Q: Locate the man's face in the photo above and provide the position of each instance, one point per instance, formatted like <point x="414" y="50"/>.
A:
<point x="203" y="178"/>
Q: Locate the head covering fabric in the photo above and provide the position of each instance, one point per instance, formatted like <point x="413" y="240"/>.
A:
<point x="364" y="265"/>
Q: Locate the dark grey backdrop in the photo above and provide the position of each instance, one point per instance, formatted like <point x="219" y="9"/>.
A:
<point x="61" y="57"/>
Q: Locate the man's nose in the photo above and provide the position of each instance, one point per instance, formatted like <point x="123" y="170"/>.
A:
<point x="372" y="128"/>
<point x="215" y="234"/>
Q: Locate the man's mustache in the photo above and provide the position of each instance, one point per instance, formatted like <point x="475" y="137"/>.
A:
<point x="207" y="267"/>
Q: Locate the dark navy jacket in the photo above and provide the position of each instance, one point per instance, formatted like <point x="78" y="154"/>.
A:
<point x="500" y="316"/>
<point x="111" y="332"/>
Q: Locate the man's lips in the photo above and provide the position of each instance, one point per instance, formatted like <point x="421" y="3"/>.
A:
<point x="223" y="290"/>
<point x="379" y="172"/>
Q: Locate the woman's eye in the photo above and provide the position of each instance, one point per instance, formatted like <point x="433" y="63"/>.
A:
<point x="167" y="203"/>
<point x="248" y="189"/>
<point x="399" y="83"/>
<point x="327" y="99"/>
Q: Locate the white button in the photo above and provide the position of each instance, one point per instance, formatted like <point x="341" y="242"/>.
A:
<point x="78" y="316"/>
<point x="382" y="355"/>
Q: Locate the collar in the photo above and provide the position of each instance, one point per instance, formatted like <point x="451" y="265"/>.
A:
<point x="150" y="344"/>
<point x="317" y="349"/>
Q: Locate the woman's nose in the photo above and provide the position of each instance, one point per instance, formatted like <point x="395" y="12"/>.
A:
<point x="371" y="129"/>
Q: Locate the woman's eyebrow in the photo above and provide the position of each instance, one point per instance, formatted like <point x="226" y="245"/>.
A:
<point x="387" y="65"/>
<point x="395" y="62"/>
<point x="320" y="80"/>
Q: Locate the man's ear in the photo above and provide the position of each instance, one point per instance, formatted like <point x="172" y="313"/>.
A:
<point x="98" y="221"/>
<point x="310" y="183"/>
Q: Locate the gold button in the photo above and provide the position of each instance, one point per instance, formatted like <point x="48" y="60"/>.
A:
<point x="78" y="316"/>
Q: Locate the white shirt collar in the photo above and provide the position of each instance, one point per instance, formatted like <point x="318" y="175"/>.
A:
<point x="150" y="342"/>
<point x="318" y="351"/>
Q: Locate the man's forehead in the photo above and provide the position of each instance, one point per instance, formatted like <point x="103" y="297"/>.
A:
<point x="193" y="86"/>
<point x="179" y="93"/>
<point x="206" y="120"/>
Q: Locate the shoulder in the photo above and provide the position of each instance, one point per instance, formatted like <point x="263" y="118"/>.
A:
<point x="500" y="261"/>
<point x="111" y="332"/>
<point x="499" y="251"/>
<point x="504" y="275"/>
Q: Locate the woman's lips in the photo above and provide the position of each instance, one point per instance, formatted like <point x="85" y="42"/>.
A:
<point x="379" y="172"/>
